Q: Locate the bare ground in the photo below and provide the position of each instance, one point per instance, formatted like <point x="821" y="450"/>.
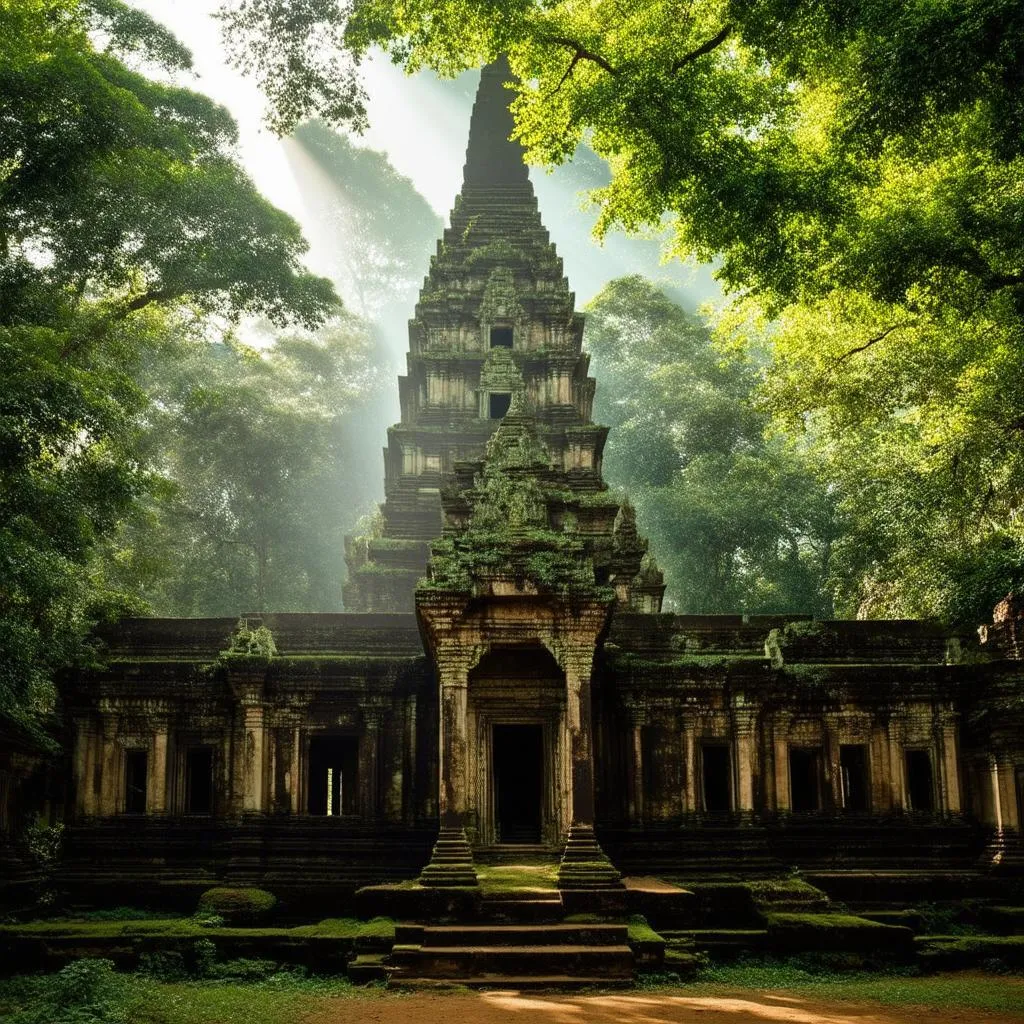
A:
<point x="634" y="1008"/>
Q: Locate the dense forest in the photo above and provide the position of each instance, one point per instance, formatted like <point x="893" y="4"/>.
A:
<point x="183" y="406"/>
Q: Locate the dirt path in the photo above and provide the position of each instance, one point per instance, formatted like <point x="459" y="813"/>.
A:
<point x="634" y="1008"/>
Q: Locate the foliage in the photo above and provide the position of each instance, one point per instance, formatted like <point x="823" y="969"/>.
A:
<point x="84" y="992"/>
<point x="90" y="992"/>
<point x="237" y="906"/>
<point x="122" y="214"/>
<point x="737" y="517"/>
<point x="249" y="644"/>
<point x="248" y="450"/>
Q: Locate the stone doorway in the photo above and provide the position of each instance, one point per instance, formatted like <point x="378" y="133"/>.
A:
<point x="517" y="752"/>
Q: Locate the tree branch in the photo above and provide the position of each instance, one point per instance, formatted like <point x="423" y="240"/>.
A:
<point x="580" y="52"/>
<point x="871" y="341"/>
<point x="713" y="43"/>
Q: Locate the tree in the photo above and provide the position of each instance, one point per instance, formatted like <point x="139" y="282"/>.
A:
<point x="246" y="448"/>
<point x="388" y="227"/>
<point x="121" y="210"/>
<point x="737" y="517"/>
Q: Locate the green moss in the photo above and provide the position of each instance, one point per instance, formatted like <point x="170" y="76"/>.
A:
<point x="641" y="931"/>
<point x="820" y="922"/>
<point x="237" y="906"/>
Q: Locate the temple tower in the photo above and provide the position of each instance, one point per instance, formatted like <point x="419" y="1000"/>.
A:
<point x="495" y="319"/>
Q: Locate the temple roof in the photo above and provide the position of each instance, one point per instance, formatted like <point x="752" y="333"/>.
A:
<point x="493" y="158"/>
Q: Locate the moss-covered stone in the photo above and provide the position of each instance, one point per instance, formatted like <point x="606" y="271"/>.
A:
<point x="237" y="906"/>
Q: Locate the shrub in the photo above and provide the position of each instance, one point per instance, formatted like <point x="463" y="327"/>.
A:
<point x="165" y="965"/>
<point x="237" y="906"/>
<point x="84" y="992"/>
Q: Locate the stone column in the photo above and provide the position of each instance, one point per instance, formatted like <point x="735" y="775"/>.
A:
<point x="691" y="798"/>
<point x="881" y="787"/>
<point x="255" y="758"/>
<point x="743" y="726"/>
<point x="896" y="772"/>
<point x="156" y="790"/>
<point x="369" y="767"/>
<point x="451" y="863"/>
<point x="294" y="782"/>
<point x="832" y="759"/>
<point x="85" y="781"/>
<point x="952" y="802"/>
<point x="584" y="864"/>
<point x="636" y="769"/>
<point x="111" y="762"/>
<point x="780" y="738"/>
<point x="248" y="683"/>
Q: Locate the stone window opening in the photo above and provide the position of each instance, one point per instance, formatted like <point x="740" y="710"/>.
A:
<point x="199" y="780"/>
<point x="716" y="778"/>
<point x="853" y="777"/>
<point x="805" y="779"/>
<point x="136" y="772"/>
<point x="499" y="403"/>
<point x="333" y="776"/>
<point x="502" y="337"/>
<point x="920" y="780"/>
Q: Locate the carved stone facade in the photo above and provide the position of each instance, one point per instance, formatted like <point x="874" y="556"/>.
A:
<point x="507" y="677"/>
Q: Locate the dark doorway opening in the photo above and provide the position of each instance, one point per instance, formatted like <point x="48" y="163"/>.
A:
<point x="501" y="337"/>
<point x="199" y="780"/>
<point x="499" y="404"/>
<point x="716" y="777"/>
<point x="805" y="778"/>
<point x="334" y="775"/>
<point x="920" y="781"/>
<point x="853" y="771"/>
<point x="136" y="768"/>
<point x="518" y="761"/>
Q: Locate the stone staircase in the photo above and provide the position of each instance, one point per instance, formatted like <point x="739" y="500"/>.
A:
<point x="539" y="954"/>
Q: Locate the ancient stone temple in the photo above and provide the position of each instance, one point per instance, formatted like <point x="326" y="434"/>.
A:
<point x="506" y="680"/>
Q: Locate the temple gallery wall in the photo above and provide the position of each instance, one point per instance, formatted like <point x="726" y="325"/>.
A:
<point x="505" y="676"/>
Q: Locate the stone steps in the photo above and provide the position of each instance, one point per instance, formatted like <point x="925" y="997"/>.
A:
<point x="540" y="955"/>
<point x="430" y="936"/>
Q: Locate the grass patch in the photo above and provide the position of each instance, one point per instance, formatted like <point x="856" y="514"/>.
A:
<point x="496" y="878"/>
<point x="895" y="987"/>
<point x="90" y="992"/>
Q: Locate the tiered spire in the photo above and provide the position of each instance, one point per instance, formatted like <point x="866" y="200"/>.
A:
<point x="495" y="323"/>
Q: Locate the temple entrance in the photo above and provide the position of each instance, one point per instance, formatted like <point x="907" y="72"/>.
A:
<point x="518" y="753"/>
<point x="334" y="775"/>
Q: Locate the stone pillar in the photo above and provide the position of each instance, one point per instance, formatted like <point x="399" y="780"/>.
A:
<point x="743" y="726"/>
<point x="451" y="863"/>
<point x="636" y="771"/>
<point x="896" y="770"/>
<point x="156" y="789"/>
<point x="255" y="758"/>
<point x="881" y="787"/>
<point x="584" y="864"/>
<point x="690" y="796"/>
<point x="111" y="771"/>
<point x="247" y="683"/>
<point x="832" y="759"/>
<point x="294" y="781"/>
<point x="950" y="774"/>
<point x="369" y="766"/>
<point x="85" y="781"/>
<point x="780" y="739"/>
